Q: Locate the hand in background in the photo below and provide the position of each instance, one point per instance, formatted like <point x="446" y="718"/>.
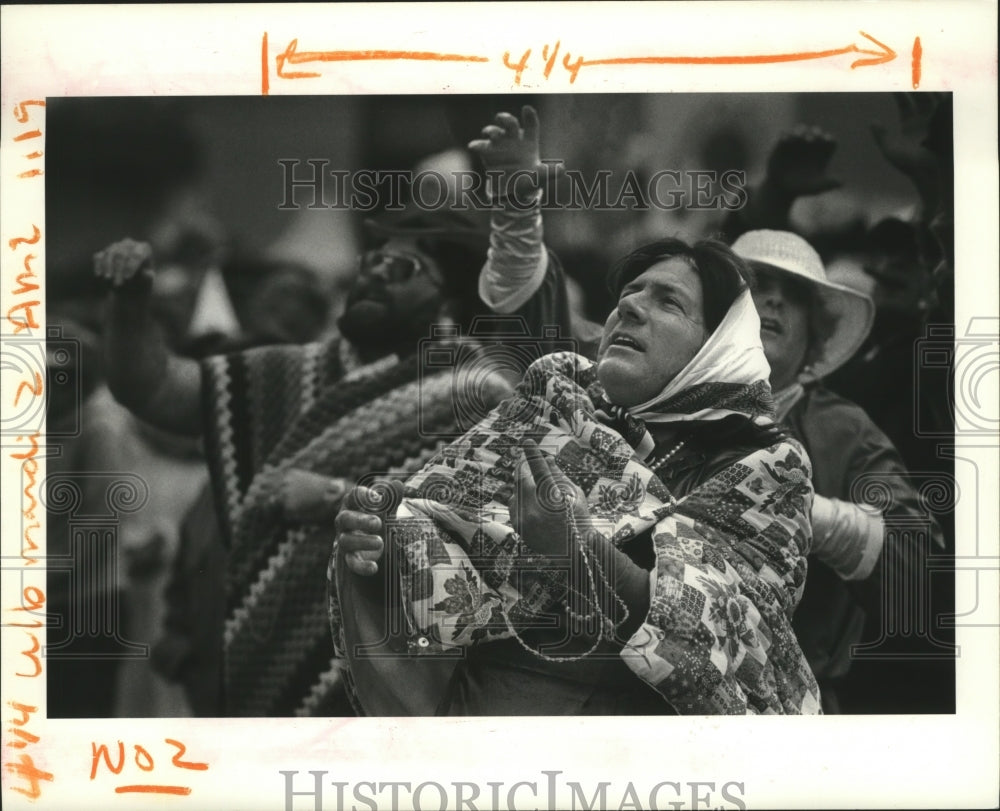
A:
<point x="127" y="266"/>
<point x="310" y="498"/>
<point x="797" y="166"/>
<point x="907" y="150"/>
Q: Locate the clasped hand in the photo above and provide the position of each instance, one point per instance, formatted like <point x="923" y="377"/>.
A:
<point x="544" y="508"/>
<point x="547" y="508"/>
<point x="360" y="525"/>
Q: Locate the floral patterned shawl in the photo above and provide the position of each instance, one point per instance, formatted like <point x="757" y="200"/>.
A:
<point x="730" y="555"/>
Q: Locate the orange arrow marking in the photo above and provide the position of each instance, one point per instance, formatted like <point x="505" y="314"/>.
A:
<point x="292" y="56"/>
<point x="884" y="54"/>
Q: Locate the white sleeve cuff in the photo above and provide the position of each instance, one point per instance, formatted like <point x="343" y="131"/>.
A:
<point x="504" y="300"/>
<point x="874" y="541"/>
<point x="847" y="537"/>
<point x="516" y="260"/>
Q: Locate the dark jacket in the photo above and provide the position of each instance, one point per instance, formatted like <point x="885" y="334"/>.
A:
<point x="854" y="461"/>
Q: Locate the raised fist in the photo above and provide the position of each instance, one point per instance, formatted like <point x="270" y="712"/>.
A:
<point x="126" y="265"/>
<point x="798" y="163"/>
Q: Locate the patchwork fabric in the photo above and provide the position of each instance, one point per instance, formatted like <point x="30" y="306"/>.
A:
<point x="730" y="556"/>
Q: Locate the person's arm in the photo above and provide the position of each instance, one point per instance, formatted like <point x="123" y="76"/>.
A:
<point x="144" y="376"/>
<point x="623" y="579"/>
<point x="877" y="470"/>
<point x="730" y="569"/>
<point x="847" y="537"/>
<point x="517" y="260"/>
<point x="908" y="150"/>
<point x="521" y="276"/>
<point x="796" y="168"/>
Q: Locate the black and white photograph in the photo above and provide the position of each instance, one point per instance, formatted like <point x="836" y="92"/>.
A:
<point x="353" y="421"/>
<point x="281" y="309"/>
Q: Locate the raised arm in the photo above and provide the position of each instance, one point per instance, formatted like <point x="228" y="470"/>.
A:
<point x="143" y="374"/>
<point x="796" y="167"/>
<point x="521" y="277"/>
<point x="516" y="263"/>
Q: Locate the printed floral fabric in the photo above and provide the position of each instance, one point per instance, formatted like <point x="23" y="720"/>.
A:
<point x="730" y="556"/>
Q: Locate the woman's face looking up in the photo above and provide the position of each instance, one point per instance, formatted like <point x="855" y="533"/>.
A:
<point x="656" y="329"/>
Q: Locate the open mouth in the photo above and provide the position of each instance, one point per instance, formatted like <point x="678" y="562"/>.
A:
<point x="626" y="341"/>
<point x="371" y="295"/>
<point x="771" y="325"/>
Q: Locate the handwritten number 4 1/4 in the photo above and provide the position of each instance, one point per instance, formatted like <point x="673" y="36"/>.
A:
<point x="144" y="761"/>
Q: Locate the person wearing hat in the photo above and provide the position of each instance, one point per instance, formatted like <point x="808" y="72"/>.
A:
<point x="810" y="327"/>
<point x="287" y="427"/>
<point x="625" y="537"/>
<point x="703" y="615"/>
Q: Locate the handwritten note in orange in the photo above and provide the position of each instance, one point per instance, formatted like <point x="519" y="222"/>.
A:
<point x="292" y="56"/>
<point x="871" y="52"/>
<point x="23" y="774"/>
<point x="22" y="116"/>
<point x="143" y="760"/>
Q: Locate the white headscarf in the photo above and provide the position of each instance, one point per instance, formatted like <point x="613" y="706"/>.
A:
<point x="732" y="354"/>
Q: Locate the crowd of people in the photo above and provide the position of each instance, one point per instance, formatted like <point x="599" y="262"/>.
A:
<point x="662" y="513"/>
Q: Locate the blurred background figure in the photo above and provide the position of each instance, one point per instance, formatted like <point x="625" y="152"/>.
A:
<point x="903" y="262"/>
<point x="139" y="164"/>
<point x="133" y="163"/>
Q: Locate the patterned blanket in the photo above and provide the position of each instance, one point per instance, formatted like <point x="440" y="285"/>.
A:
<point x="270" y="410"/>
<point x="730" y="555"/>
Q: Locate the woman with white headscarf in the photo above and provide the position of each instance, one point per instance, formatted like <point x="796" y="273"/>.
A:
<point x="613" y="527"/>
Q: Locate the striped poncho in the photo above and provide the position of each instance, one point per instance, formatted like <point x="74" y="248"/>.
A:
<point x="269" y="410"/>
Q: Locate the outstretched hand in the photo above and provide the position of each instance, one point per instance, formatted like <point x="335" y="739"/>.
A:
<point x="126" y="265"/>
<point x="510" y="147"/>
<point x="906" y="150"/>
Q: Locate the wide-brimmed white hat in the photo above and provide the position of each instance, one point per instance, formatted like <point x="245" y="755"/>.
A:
<point x="852" y="311"/>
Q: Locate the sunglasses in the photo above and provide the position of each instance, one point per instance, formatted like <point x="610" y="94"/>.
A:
<point x="396" y="267"/>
